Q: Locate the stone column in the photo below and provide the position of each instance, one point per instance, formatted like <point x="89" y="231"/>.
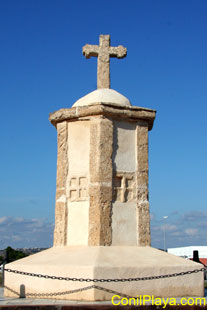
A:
<point x="143" y="215"/>
<point x="90" y="156"/>
<point x="60" y="233"/>
<point x="100" y="187"/>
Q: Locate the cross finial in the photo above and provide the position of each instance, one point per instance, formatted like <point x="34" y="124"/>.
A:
<point x="104" y="51"/>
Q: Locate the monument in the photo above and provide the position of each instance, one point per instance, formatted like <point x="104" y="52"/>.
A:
<point x="102" y="219"/>
<point x="102" y="166"/>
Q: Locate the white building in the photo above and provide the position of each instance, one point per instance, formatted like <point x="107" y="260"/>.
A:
<point x="187" y="252"/>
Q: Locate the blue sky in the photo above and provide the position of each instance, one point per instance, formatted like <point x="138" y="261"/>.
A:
<point x="42" y="70"/>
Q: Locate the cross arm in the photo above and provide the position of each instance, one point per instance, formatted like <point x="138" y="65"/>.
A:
<point x="119" y="51"/>
<point x="90" y="50"/>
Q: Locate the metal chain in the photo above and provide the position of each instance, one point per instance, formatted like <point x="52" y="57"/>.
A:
<point x="76" y="291"/>
<point x="177" y="274"/>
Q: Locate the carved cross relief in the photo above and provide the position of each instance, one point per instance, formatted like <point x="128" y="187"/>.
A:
<point x="104" y="51"/>
<point x="78" y="189"/>
<point x="124" y="186"/>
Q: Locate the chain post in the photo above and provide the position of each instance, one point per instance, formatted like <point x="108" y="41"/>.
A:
<point x="3" y="273"/>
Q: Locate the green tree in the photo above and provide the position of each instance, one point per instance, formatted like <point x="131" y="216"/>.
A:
<point x="12" y="255"/>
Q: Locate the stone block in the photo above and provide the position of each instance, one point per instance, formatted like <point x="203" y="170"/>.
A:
<point x="104" y="262"/>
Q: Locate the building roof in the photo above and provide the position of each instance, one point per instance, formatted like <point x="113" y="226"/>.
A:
<point x="187" y="251"/>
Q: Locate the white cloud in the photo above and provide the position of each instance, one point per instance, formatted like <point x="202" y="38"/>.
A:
<point x="170" y="227"/>
<point x="181" y="229"/>
<point x="3" y="219"/>
<point x="21" y="232"/>
<point x="19" y="219"/>
<point x="177" y="233"/>
<point x="191" y="231"/>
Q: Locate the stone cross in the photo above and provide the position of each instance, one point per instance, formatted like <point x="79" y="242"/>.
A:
<point x="104" y="51"/>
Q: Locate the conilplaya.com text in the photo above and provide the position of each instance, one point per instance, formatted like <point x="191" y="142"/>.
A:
<point x="157" y="301"/>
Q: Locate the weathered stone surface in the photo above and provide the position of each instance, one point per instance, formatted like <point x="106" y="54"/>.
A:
<point x="60" y="232"/>
<point x="104" y="51"/>
<point x="143" y="223"/>
<point x="100" y="215"/>
<point x="100" y="188"/>
<point x="62" y="115"/>
<point x="128" y="113"/>
<point x="101" y="147"/>
<point x="143" y="215"/>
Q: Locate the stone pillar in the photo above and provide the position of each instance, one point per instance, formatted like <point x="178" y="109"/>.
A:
<point x="102" y="175"/>
<point x="60" y="233"/>
<point x="124" y="215"/>
<point x="143" y="214"/>
<point x="100" y="187"/>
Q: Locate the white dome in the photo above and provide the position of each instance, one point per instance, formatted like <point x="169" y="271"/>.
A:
<point x="103" y="95"/>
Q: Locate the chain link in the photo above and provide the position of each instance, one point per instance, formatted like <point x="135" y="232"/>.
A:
<point x="76" y="291"/>
<point x="47" y="295"/>
<point x="38" y="275"/>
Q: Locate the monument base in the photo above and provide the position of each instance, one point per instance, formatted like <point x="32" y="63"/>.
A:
<point x="101" y="262"/>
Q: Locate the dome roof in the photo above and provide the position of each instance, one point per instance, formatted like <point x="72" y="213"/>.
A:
<point x="103" y="95"/>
